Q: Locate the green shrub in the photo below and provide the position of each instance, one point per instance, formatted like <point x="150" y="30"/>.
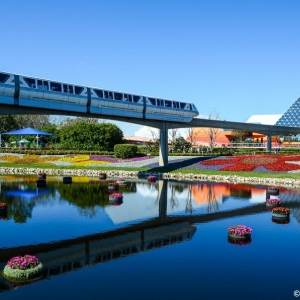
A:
<point x="125" y="150"/>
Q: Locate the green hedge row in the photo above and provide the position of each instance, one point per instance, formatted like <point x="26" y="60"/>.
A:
<point x="125" y="150"/>
<point x="55" y="152"/>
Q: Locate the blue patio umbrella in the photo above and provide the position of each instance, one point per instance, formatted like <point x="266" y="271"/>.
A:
<point x="28" y="131"/>
<point x="27" y="194"/>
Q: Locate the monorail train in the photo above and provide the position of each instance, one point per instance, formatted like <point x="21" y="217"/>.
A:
<point x="43" y="93"/>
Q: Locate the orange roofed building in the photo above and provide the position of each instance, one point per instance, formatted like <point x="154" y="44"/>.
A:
<point x="200" y="137"/>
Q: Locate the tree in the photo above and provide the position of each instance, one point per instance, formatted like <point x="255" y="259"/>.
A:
<point x="54" y="138"/>
<point x="240" y="135"/>
<point x="36" y="121"/>
<point x="181" y="145"/>
<point x="91" y="136"/>
<point x="153" y="144"/>
<point x="173" y="135"/>
<point x="212" y="133"/>
<point x="7" y="123"/>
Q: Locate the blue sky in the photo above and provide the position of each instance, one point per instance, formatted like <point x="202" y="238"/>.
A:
<point x="236" y="58"/>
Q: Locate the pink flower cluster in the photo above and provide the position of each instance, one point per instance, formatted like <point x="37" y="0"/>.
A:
<point x="274" y="201"/>
<point x="152" y="177"/>
<point x="116" y="195"/>
<point x="23" y="262"/>
<point x="240" y="230"/>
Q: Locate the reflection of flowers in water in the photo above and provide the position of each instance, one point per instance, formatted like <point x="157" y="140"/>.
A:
<point x="273" y="201"/>
<point x="115" y="196"/>
<point x="284" y="211"/>
<point x="239" y="242"/>
<point x="280" y="221"/>
<point x="3" y="206"/>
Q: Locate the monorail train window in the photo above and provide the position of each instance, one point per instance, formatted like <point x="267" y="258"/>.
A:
<point x="105" y="94"/>
<point x="31" y="82"/>
<point x="118" y="96"/>
<point x="130" y="98"/>
<point x="42" y="85"/>
<point x="3" y="77"/>
<point x="168" y="103"/>
<point x="78" y="90"/>
<point x="99" y="93"/>
<point x="136" y="98"/>
<point x="160" y="102"/>
<point x="46" y="85"/>
<point x="110" y="95"/>
<point x="55" y="86"/>
<point x="125" y="97"/>
<point x="152" y="101"/>
<point x="182" y="105"/>
<point x="68" y="88"/>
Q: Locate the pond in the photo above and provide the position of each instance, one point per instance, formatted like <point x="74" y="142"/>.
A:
<point x="163" y="240"/>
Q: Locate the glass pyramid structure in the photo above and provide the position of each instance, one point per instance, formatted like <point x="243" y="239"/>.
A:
<point x="292" y="116"/>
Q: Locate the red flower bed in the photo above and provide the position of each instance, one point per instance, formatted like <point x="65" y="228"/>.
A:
<point x="250" y="163"/>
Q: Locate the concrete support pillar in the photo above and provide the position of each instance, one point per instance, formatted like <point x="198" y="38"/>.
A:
<point x="162" y="197"/>
<point x="163" y="145"/>
<point x="269" y="143"/>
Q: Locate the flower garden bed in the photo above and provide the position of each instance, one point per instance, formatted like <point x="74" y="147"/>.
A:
<point x="253" y="163"/>
<point x="21" y="269"/>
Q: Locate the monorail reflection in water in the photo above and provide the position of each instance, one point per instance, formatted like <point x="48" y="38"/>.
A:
<point x="151" y="217"/>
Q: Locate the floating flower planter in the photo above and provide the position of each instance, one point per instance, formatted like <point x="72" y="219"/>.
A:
<point x="113" y="186"/>
<point x="3" y="208"/>
<point x="102" y="176"/>
<point x="67" y="179"/>
<point x="240" y="232"/>
<point x="272" y="203"/>
<point x="121" y="181"/>
<point x="152" y="178"/>
<point x="281" y="213"/>
<point x="116" y="198"/>
<point x="42" y="175"/>
<point x="41" y="183"/>
<point x="23" y="269"/>
<point x="273" y="190"/>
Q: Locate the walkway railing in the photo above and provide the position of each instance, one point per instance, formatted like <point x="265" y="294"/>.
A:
<point x="262" y="145"/>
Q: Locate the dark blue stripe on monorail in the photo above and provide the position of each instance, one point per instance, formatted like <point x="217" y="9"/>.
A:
<point x="88" y="105"/>
<point x="17" y="90"/>
<point x="144" y="108"/>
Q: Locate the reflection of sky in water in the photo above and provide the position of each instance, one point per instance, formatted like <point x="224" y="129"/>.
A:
<point x="54" y="218"/>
